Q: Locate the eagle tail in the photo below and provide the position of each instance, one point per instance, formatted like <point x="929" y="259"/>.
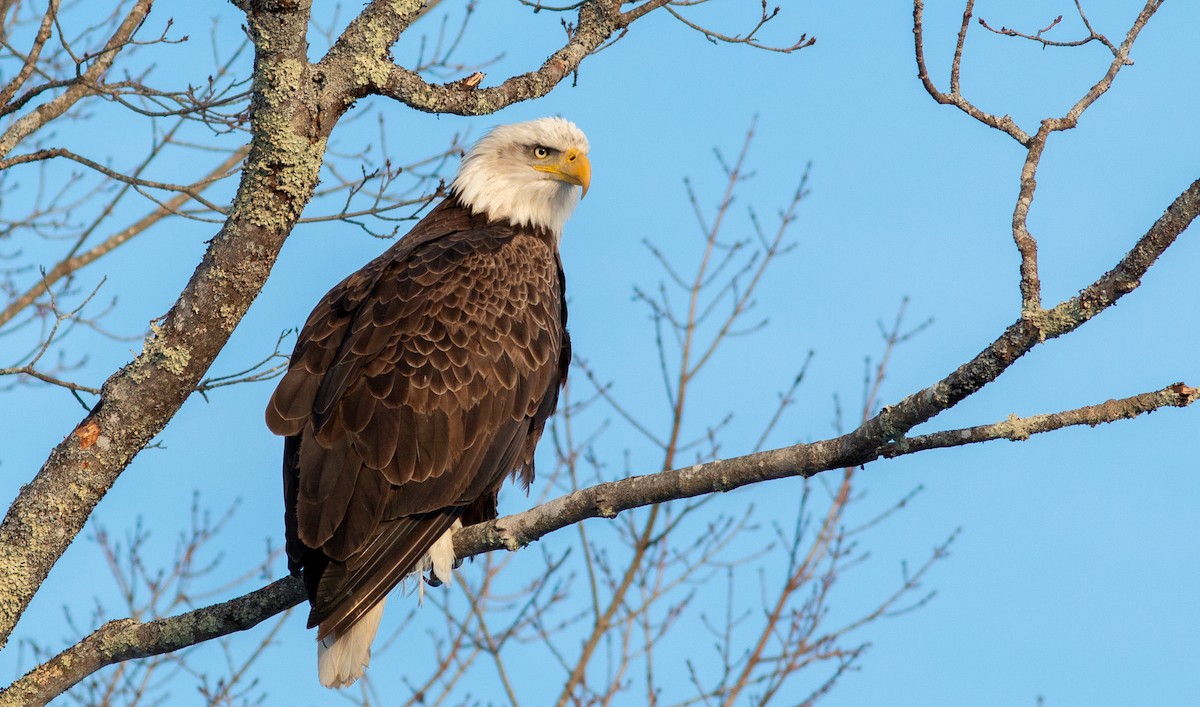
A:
<point x="343" y="656"/>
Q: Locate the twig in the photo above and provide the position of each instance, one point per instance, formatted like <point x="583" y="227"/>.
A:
<point x="1004" y="124"/>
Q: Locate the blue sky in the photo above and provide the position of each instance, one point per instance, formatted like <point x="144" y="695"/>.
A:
<point x="1076" y="573"/>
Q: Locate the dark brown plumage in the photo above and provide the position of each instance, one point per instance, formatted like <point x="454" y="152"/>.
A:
<point x="417" y="384"/>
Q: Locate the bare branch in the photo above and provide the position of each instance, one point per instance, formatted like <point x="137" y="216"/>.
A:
<point x="1093" y="35"/>
<point x="75" y="262"/>
<point x="597" y="21"/>
<point x="30" y="61"/>
<point x="1020" y="428"/>
<point x="127" y="639"/>
<point x="26" y="125"/>
<point x="749" y="38"/>
<point x="608" y="499"/>
<point x="1004" y="124"/>
<point x="1030" y="282"/>
<point x="295" y="107"/>
<point x="51" y="153"/>
<point x="869" y="441"/>
<point x="1120" y="60"/>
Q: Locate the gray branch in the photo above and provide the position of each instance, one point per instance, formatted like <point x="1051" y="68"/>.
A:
<point x="127" y="639"/>
<point x="596" y="22"/>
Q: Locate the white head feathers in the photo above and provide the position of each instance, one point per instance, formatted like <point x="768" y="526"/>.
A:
<point x="526" y="173"/>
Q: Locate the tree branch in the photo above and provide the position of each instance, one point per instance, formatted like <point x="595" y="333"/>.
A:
<point x="30" y="62"/>
<point x="1020" y="428"/>
<point x="1030" y="282"/>
<point x="127" y="639"/>
<point x="1120" y="60"/>
<point x="28" y="124"/>
<point x="747" y="38"/>
<point x="597" y="21"/>
<point x="192" y="191"/>
<point x="1031" y="286"/>
<point x="608" y="499"/>
<point x="293" y="110"/>
<point x="1004" y="124"/>
<point x="1023" y="335"/>
<point x="75" y="262"/>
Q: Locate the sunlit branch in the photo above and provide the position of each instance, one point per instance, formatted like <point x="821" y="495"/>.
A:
<point x="1093" y="35"/>
<point x="126" y="639"/>
<point x="1030" y="282"/>
<point x="1020" y="428"/>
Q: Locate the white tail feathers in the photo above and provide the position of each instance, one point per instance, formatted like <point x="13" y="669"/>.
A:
<point x="342" y="658"/>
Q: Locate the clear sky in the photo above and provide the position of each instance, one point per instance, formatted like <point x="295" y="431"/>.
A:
<point x="1076" y="574"/>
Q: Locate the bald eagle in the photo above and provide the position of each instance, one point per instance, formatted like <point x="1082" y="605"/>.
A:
<point x="424" y="379"/>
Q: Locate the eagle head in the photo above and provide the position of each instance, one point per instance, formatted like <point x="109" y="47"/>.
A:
<point x="530" y="174"/>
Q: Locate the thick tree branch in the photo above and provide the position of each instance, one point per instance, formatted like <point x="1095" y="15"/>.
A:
<point x="805" y="460"/>
<point x="879" y="437"/>
<point x="361" y="58"/>
<point x="137" y="401"/>
<point x="127" y="639"/>
<point x="294" y="108"/>
<point x="1023" y="335"/>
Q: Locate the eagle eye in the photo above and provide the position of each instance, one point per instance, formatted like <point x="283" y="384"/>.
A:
<point x="541" y="152"/>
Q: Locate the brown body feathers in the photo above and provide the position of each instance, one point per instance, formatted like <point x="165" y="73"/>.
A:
<point x="417" y="385"/>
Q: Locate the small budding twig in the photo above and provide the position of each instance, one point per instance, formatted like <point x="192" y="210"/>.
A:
<point x="1093" y="35"/>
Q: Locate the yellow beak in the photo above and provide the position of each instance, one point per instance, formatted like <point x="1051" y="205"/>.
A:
<point x="571" y="167"/>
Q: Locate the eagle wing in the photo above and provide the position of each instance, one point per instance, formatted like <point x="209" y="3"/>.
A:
<point x="416" y="386"/>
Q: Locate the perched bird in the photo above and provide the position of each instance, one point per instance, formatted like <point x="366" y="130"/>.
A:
<point x="422" y="380"/>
